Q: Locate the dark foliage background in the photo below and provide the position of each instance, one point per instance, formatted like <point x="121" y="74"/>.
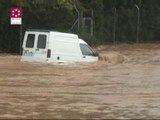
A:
<point x="110" y="26"/>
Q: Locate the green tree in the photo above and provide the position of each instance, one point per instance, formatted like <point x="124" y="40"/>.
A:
<point x="61" y="14"/>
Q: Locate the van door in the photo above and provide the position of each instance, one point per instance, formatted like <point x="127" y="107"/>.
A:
<point x="88" y="54"/>
<point x="28" y="47"/>
<point x="41" y="47"/>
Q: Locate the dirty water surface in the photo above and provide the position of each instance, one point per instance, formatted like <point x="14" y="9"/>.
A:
<point x="125" y="85"/>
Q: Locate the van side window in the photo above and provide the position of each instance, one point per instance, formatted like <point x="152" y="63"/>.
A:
<point x="30" y="41"/>
<point x="86" y="50"/>
<point x="41" y="41"/>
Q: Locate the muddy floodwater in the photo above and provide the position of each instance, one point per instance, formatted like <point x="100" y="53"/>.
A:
<point x="124" y="85"/>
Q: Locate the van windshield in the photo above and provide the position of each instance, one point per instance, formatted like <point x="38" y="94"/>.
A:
<point x="87" y="50"/>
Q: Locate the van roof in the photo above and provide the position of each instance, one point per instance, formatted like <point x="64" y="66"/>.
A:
<point x="82" y="41"/>
<point x="44" y="30"/>
<point x="41" y="30"/>
<point x="50" y="31"/>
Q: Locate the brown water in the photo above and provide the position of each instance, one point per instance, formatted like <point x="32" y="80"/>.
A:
<point x="126" y="85"/>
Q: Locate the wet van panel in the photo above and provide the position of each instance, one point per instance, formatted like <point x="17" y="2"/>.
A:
<point x="35" y="46"/>
<point x="64" y="47"/>
<point x="28" y="46"/>
<point x="41" y="47"/>
<point x="52" y="46"/>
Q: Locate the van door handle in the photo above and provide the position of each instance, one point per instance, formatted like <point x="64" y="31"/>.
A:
<point x="37" y="49"/>
<point x="84" y="56"/>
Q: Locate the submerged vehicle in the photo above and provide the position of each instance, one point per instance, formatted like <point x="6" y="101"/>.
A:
<point x="50" y="46"/>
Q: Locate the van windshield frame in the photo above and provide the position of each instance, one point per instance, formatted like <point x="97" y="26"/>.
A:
<point x="87" y="50"/>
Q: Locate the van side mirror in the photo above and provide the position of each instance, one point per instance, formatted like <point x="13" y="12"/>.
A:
<point x="95" y="52"/>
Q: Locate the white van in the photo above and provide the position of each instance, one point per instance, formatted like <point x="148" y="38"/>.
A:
<point x="50" y="46"/>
